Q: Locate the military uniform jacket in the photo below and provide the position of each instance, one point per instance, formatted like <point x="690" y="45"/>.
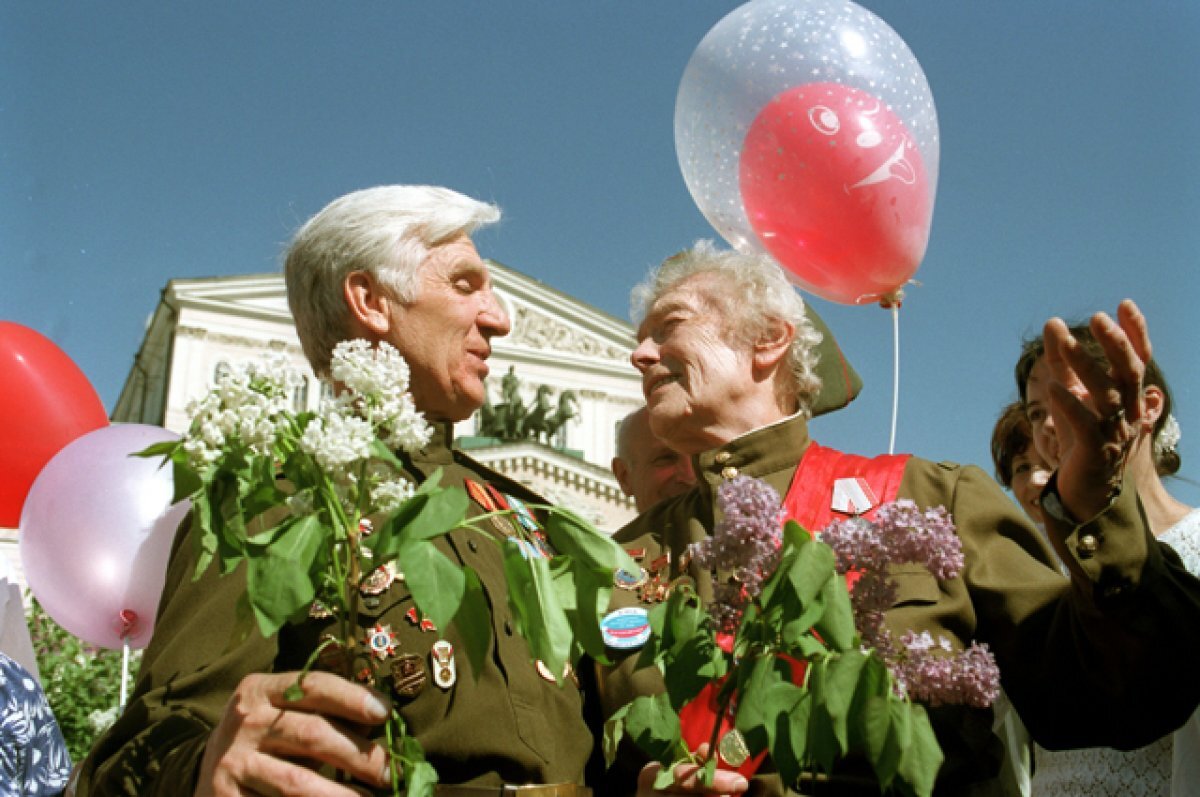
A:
<point x="1105" y="658"/>
<point x="506" y="724"/>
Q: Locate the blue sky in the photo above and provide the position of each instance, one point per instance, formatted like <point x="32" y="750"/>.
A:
<point x="144" y="141"/>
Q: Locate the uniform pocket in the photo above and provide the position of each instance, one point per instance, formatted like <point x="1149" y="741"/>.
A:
<point x="914" y="585"/>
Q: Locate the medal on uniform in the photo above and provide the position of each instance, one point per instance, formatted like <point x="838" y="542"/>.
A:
<point x="625" y="629"/>
<point x="381" y="640"/>
<point x="544" y="671"/>
<point x="379" y="580"/>
<point x="424" y="623"/>
<point x="332" y="657"/>
<point x="852" y="496"/>
<point x="524" y="516"/>
<point x="445" y="672"/>
<point x="623" y="579"/>
<point x="733" y="749"/>
<point x="480" y="496"/>
<point x="408" y="675"/>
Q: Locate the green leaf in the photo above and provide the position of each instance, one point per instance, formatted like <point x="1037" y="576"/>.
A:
<point x="665" y="777"/>
<point x="822" y="740"/>
<point x="836" y="624"/>
<point x="654" y="726"/>
<point x="436" y="583"/>
<point x="584" y="596"/>
<point x="759" y="701"/>
<point x="814" y="565"/>
<point x="840" y="685"/>
<point x="163" y="448"/>
<point x="789" y="750"/>
<point x="883" y="743"/>
<point x="922" y="758"/>
<point x="279" y="577"/>
<point x="614" y="732"/>
<point x="536" y="610"/>
<point x="474" y="621"/>
<point x="572" y="536"/>
<point x="419" y="775"/>
<point x="426" y="515"/>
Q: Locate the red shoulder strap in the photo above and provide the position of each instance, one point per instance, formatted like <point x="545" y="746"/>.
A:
<point x="810" y="498"/>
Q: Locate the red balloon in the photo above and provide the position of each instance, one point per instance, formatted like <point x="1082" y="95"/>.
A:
<point x="45" y="403"/>
<point x="836" y="191"/>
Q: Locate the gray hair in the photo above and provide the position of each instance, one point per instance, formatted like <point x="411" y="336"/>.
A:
<point x="385" y="231"/>
<point x="755" y="293"/>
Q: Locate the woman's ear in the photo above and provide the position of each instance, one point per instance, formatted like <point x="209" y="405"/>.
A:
<point x="773" y="344"/>
<point x="1154" y="401"/>
<point x="369" y="304"/>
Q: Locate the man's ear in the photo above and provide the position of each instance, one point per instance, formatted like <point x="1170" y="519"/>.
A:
<point x="621" y="471"/>
<point x="369" y="304"/>
<point x="773" y="344"/>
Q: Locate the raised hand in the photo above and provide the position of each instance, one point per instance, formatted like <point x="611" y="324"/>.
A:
<point x="1096" y="410"/>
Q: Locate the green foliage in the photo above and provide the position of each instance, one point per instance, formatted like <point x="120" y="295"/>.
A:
<point x="803" y="688"/>
<point x="82" y="682"/>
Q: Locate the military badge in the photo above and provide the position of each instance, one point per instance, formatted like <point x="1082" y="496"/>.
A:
<point x="424" y="623"/>
<point x="623" y="579"/>
<point x="625" y="629"/>
<point x="381" y="640"/>
<point x="445" y="672"/>
<point x="733" y="749"/>
<point x="408" y="675"/>
<point x="379" y="580"/>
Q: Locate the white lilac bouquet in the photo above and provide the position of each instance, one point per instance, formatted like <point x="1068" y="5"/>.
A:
<point x="787" y="661"/>
<point x="310" y="547"/>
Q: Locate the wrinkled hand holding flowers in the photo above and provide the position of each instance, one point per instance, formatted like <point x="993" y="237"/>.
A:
<point x="776" y="665"/>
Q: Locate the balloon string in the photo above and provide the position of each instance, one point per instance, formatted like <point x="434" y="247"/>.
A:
<point x="895" y="307"/>
<point x="124" y="673"/>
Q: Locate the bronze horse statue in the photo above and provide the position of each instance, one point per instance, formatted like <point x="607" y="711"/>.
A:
<point x="568" y="408"/>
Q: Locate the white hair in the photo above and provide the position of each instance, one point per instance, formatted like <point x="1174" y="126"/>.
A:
<point x="385" y="231"/>
<point x="755" y="293"/>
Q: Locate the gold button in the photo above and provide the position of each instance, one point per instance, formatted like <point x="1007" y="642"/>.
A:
<point x="1088" y="545"/>
<point x="729" y="472"/>
<point x="722" y="457"/>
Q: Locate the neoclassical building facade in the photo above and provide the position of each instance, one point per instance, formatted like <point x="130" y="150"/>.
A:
<point x="560" y="382"/>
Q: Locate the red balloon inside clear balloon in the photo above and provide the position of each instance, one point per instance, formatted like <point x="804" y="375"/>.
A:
<point x="836" y="191"/>
<point x="45" y="403"/>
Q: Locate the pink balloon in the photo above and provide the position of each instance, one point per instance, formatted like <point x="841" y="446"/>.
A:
<point x="96" y="533"/>
<point x="836" y="190"/>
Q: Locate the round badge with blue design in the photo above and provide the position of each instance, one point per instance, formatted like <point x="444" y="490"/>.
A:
<point x="625" y="629"/>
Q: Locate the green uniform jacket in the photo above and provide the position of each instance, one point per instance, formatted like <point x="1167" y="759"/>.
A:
<point x="1107" y="658"/>
<point x="503" y="725"/>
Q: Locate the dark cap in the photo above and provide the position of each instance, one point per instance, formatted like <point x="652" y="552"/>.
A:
<point x="840" y="383"/>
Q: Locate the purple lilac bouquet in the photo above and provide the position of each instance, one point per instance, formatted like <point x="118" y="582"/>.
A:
<point x="787" y="661"/>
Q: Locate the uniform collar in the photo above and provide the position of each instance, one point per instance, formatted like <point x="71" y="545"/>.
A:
<point x="438" y="450"/>
<point x="756" y="453"/>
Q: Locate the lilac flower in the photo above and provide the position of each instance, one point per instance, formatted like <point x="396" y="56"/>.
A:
<point x="744" y="546"/>
<point x="968" y="677"/>
<point x="924" y="668"/>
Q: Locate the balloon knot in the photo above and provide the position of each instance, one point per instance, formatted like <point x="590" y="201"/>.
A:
<point x="128" y="625"/>
<point x="894" y="299"/>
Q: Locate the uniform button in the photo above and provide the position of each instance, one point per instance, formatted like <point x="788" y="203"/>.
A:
<point x="371" y="602"/>
<point x="472" y="545"/>
<point x="722" y="457"/>
<point x="729" y="472"/>
<point x="1088" y="545"/>
<point x="508" y="627"/>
